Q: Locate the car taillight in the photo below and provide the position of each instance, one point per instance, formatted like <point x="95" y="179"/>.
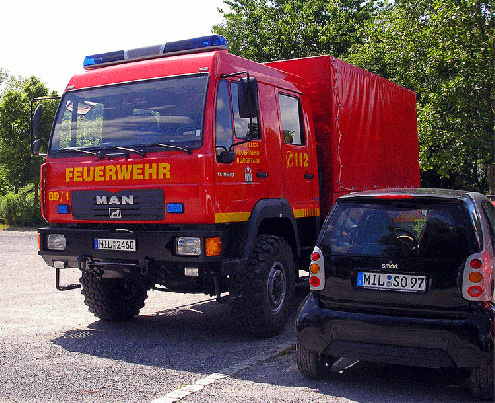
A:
<point x="477" y="278"/>
<point x="476" y="264"/>
<point x="316" y="271"/>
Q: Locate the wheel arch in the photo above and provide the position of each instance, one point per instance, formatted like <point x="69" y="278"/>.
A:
<point x="272" y="217"/>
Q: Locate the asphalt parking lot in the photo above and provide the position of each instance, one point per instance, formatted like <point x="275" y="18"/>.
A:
<point x="180" y="348"/>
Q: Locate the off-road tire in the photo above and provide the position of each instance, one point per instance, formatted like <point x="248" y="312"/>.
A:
<point x="262" y="292"/>
<point x="310" y="363"/>
<point x="482" y="381"/>
<point x="115" y="299"/>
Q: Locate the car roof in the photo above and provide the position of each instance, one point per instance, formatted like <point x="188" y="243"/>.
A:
<point x="402" y="193"/>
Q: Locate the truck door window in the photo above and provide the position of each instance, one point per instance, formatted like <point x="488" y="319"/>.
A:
<point x="291" y="118"/>
<point x="223" y="118"/>
<point x="241" y="125"/>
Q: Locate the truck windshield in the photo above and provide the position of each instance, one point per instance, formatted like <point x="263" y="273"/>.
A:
<point x="166" y="111"/>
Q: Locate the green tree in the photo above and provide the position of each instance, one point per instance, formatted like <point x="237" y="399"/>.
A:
<point x="17" y="165"/>
<point x="265" y="30"/>
<point x="443" y="50"/>
<point x="3" y="75"/>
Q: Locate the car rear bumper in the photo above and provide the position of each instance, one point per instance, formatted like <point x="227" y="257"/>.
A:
<point x="397" y="340"/>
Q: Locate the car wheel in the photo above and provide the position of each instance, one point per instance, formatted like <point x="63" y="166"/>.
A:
<point x="312" y="364"/>
<point x="482" y="381"/>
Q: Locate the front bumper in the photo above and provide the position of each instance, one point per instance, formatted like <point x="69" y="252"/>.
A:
<point x="413" y="341"/>
<point x="158" y="246"/>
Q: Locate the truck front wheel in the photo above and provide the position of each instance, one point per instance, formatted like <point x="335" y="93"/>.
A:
<point x="262" y="292"/>
<point x="116" y="299"/>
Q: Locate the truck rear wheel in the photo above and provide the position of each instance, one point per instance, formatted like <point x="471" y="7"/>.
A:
<point x="262" y="292"/>
<point x="116" y="299"/>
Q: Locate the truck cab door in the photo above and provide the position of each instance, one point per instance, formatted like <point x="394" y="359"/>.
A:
<point x="299" y="164"/>
<point x="240" y="170"/>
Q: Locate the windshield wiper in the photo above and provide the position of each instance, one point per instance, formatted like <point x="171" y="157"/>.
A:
<point x="186" y="149"/>
<point x="79" y="150"/>
<point x="126" y="154"/>
<point x="131" y="150"/>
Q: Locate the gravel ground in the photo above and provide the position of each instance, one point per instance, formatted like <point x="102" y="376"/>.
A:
<point x="180" y="348"/>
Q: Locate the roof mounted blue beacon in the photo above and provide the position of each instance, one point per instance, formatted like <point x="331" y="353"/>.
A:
<point x="194" y="45"/>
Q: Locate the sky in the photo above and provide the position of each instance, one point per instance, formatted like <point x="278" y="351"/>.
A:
<point x="49" y="39"/>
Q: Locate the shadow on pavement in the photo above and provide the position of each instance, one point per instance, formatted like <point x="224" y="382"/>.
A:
<point x="198" y="337"/>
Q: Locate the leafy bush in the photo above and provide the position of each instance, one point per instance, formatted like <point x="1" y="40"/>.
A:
<point x="4" y="185"/>
<point x="21" y="209"/>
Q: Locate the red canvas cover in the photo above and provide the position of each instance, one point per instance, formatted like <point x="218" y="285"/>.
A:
<point x="365" y="125"/>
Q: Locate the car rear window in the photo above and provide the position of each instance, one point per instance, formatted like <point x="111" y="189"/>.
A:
<point x="400" y="230"/>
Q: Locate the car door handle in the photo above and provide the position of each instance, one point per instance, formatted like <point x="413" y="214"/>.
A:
<point x="261" y="175"/>
<point x="308" y="176"/>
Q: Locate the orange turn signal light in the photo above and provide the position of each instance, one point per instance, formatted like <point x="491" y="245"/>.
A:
<point x="475" y="277"/>
<point x="314" y="268"/>
<point x="213" y="246"/>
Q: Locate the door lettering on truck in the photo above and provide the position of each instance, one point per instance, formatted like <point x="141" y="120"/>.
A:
<point x="118" y="172"/>
<point x="247" y="152"/>
<point x="297" y="159"/>
<point x="248" y="156"/>
<point x="248" y="160"/>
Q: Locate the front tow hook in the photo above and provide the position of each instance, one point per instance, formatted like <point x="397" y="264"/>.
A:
<point x="63" y="287"/>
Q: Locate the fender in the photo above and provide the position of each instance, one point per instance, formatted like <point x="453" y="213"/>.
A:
<point x="270" y="209"/>
<point x="264" y="212"/>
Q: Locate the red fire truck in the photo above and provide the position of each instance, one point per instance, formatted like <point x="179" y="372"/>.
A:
<point x="184" y="168"/>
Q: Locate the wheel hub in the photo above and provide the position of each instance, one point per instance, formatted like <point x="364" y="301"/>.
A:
<point x="276" y="287"/>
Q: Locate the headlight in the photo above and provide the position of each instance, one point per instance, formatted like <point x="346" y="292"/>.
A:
<point x="188" y="246"/>
<point x="56" y="242"/>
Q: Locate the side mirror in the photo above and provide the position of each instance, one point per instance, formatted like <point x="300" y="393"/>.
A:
<point x="226" y="157"/>
<point x="248" y="97"/>
<point x="37" y="120"/>
<point x="35" y="147"/>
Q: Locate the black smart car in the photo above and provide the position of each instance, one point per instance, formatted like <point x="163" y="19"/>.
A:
<point x="403" y="277"/>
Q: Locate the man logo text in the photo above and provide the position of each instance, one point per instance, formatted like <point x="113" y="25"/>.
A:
<point x="115" y="200"/>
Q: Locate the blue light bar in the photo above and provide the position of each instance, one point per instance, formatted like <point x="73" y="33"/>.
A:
<point x="103" y="58"/>
<point x="202" y="44"/>
<point x="211" y="41"/>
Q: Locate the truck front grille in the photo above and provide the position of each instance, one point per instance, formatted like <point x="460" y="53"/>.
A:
<point x="126" y="205"/>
